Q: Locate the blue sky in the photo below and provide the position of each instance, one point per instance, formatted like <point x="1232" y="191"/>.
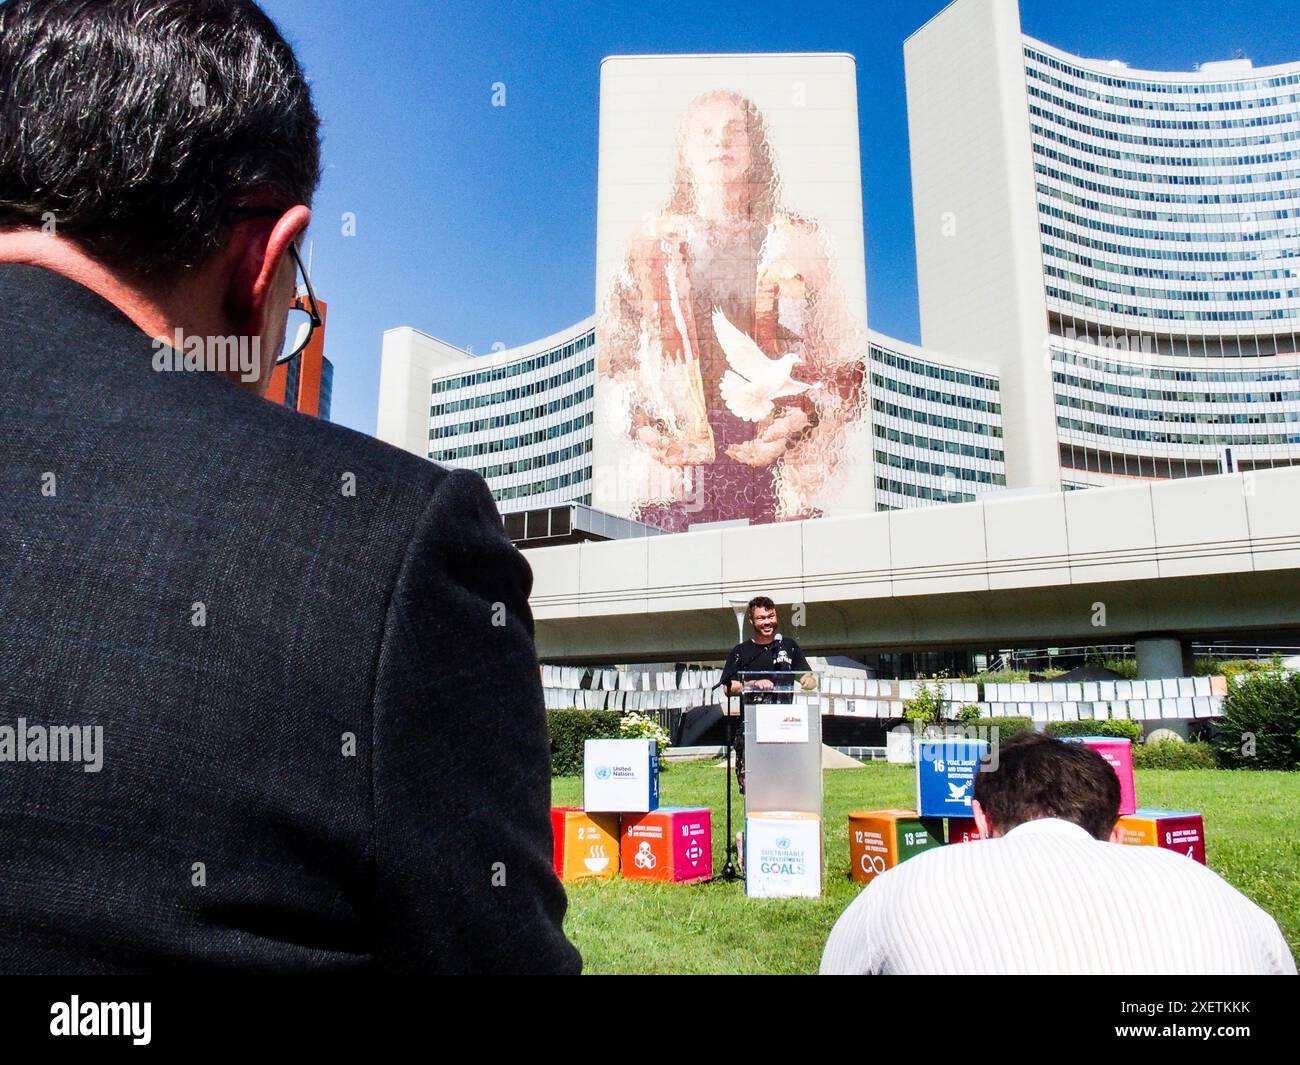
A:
<point x="477" y="224"/>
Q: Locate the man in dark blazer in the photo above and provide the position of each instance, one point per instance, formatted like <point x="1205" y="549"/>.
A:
<point x="268" y="693"/>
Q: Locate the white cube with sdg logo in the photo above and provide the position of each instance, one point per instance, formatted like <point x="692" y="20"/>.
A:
<point x="783" y="855"/>
<point x="620" y="776"/>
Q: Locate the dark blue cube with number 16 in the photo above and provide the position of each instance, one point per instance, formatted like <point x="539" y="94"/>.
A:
<point x="945" y="775"/>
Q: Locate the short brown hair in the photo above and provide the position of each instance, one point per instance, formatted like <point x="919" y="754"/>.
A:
<point x="758" y="601"/>
<point x="1038" y="776"/>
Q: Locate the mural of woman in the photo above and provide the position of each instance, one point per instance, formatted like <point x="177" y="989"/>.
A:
<point x="727" y="352"/>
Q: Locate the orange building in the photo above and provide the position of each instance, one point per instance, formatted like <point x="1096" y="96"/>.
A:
<point x="306" y="382"/>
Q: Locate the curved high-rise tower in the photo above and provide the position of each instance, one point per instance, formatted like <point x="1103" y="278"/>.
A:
<point x="1124" y="245"/>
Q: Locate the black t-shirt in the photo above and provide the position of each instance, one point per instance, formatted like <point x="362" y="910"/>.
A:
<point x="777" y="659"/>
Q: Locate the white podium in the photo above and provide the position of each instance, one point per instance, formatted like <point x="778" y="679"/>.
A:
<point x="783" y="784"/>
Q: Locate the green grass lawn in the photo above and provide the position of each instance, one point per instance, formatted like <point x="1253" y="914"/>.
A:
<point x="622" y="926"/>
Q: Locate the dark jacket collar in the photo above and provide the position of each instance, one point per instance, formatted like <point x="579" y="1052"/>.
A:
<point x="21" y="284"/>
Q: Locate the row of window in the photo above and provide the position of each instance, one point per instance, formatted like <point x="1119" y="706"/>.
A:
<point x="938" y="469"/>
<point x="928" y="443"/>
<point x="534" y="388"/>
<point x="1155" y="273"/>
<point x="504" y="469"/>
<point x="1188" y="217"/>
<point x="551" y="484"/>
<point x="1168" y="314"/>
<point x="500" y="421"/>
<point x="1168" y="234"/>
<point x="514" y="369"/>
<point x="938" y="421"/>
<point x="1143" y="122"/>
<point x="1125" y="192"/>
<point x="946" y="398"/>
<point x="1164" y="142"/>
<point x="1144" y="177"/>
<point x="1174" y="87"/>
<point x="1110" y="388"/>
<point x="934" y="370"/>
<point x="1195" y="295"/>
<point x="1237" y="104"/>
<point x="1179" y="417"/>
<point x="921" y="491"/>
<point x="1136" y="462"/>
<point x="493" y="447"/>
<point x="1280" y="373"/>
<point x="1148" y="436"/>
<point x="1134" y="251"/>
<point x="1229" y="170"/>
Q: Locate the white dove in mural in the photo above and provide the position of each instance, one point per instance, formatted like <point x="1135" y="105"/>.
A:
<point x="754" y="380"/>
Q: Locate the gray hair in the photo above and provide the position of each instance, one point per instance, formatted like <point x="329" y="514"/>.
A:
<point x="139" y="126"/>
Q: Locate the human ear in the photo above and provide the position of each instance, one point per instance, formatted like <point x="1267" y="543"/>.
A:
<point x="257" y="295"/>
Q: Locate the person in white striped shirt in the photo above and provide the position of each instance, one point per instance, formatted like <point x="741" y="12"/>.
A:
<point x="1048" y="891"/>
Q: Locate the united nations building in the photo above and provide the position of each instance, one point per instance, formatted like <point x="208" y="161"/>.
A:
<point x="1108" y="268"/>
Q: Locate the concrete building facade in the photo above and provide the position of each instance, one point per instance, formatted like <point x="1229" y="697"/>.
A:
<point x="1122" y="244"/>
<point x="1109" y="279"/>
<point x="523" y="418"/>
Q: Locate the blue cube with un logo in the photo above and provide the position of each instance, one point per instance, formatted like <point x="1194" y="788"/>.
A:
<point x="945" y="775"/>
<point x="620" y="776"/>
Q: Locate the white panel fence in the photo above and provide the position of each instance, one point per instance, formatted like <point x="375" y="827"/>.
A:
<point x="846" y="693"/>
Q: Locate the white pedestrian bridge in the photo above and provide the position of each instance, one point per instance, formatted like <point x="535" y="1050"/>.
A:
<point x="1164" y="562"/>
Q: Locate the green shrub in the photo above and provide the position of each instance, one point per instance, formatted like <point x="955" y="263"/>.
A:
<point x="1007" y="726"/>
<point x="1207" y="666"/>
<point x="1127" y="730"/>
<point x="1173" y="754"/>
<point x="1125" y="667"/>
<point x="570" y="729"/>
<point x="1005" y="676"/>
<point x="634" y="726"/>
<point x="1261" y="722"/>
<point x="927" y="706"/>
<point x="1247" y="665"/>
